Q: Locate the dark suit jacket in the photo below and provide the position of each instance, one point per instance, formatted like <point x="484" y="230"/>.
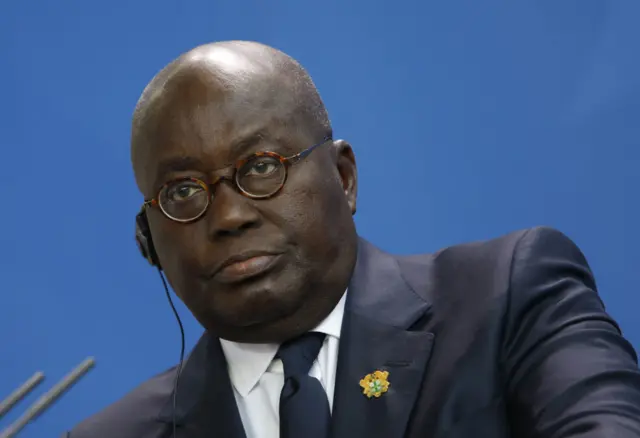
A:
<point x="503" y="338"/>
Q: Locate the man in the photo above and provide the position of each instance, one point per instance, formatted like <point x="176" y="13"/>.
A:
<point x="312" y="331"/>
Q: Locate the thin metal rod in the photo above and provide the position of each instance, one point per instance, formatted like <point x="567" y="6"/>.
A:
<point x="20" y="393"/>
<point x="48" y="398"/>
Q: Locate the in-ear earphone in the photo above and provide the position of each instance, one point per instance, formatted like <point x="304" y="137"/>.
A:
<point x="145" y="245"/>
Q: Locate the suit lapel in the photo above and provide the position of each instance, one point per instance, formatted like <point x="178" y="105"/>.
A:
<point x="381" y="308"/>
<point x="205" y="401"/>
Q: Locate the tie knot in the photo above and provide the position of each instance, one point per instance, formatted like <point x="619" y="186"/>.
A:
<point x="297" y="355"/>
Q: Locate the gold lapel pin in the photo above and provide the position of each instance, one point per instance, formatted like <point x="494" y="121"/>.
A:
<point x="375" y="384"/>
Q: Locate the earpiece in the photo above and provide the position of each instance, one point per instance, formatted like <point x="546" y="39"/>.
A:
<point x="145" y="245"/>
<point x="143" y="239"/>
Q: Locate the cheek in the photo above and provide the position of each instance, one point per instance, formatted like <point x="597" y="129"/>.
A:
<point x="178" y="246"/>
<point x="312" y="211"/>
<point x="180" y="254"/>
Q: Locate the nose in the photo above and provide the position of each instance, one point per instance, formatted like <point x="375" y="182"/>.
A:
<point x="231" y="214"/>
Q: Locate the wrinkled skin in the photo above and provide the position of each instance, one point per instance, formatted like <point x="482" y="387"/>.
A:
<point x="194" y="120"/>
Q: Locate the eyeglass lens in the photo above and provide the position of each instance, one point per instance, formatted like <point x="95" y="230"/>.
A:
<point x="261" y="176"/>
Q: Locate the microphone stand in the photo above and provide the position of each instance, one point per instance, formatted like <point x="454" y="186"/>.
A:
<point x="21" y="392"/>
<point x="46" y="399"/>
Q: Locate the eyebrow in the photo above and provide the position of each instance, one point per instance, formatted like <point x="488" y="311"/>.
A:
<point x="176" y="164"/>
<point x="184" y="163"/>
<point x="240" y="145"/>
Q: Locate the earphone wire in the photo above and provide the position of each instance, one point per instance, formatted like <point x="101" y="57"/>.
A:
<point x="179" y="368"/>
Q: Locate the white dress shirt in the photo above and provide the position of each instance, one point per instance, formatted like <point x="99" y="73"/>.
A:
<point x="258" y="378"/>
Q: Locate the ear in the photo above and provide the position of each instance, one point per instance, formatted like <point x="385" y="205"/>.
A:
<point x="346" y="163"/>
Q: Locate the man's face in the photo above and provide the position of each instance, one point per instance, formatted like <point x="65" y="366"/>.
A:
<point x="293" y="252"/>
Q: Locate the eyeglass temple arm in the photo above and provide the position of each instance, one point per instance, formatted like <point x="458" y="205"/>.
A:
<point x="299" y="156"/>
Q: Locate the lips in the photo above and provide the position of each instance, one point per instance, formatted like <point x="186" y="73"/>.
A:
<point x="244" y="266"/>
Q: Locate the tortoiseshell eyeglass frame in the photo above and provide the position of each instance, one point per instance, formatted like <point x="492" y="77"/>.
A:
<point x="209" y="187"/>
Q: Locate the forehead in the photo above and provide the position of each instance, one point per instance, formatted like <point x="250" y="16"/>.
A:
<point x="197" y="104"/>
<point x="201" y="116"/>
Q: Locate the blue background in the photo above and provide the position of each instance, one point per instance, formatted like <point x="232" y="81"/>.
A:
<point x="469" y="120"/>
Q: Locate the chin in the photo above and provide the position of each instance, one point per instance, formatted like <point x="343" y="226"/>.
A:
<point x="253" y="308"/>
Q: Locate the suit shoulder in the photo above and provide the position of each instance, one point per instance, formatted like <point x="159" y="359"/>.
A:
<point x="501" y="245"/>
<point x="518" y="249"/>
<point x="474" y="251"/>
<point x="549" y="241"/>
<point x="134" y="415"/>
<point x="483" y="266"/>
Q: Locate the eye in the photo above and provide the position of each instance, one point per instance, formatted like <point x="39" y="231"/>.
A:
<point x="183" y="191"/>
<point x="262" y="167"/>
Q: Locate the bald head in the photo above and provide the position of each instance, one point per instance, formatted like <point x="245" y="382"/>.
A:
<point x="248" y="76"/>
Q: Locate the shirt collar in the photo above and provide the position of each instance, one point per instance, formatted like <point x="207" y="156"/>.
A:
<point x="248" y="362"/>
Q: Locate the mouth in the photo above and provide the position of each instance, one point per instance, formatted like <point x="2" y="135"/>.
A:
<point x="244" y="266"/>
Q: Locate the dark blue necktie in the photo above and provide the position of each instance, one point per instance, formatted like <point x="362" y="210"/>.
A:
<point x="304" y="407"/>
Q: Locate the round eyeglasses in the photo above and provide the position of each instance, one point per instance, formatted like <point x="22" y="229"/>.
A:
<point x="259" y="176"/>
